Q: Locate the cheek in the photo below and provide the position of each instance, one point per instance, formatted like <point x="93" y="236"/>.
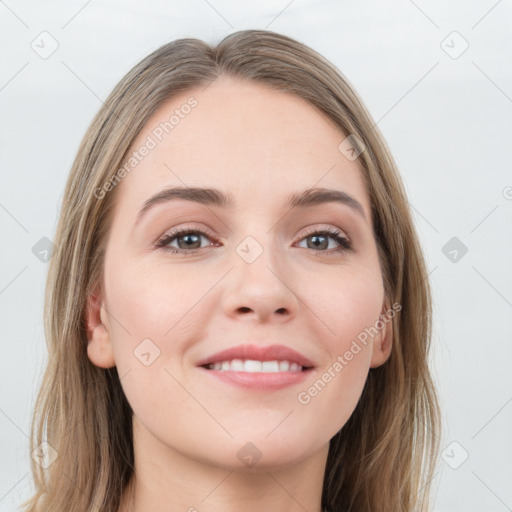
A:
<point x="152" y="302"/>
<point x="346" y="302"/>
<point x="152" y="323"/>
<point x="349" y="306"/>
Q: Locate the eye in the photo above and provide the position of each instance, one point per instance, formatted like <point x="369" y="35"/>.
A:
<point x="320" y="240"/>
<point x="188" y="240"/>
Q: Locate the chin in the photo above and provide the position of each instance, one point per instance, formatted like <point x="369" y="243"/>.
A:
<point x="267" y="452"/>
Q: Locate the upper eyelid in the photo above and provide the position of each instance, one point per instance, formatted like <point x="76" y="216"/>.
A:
<point x="326" y="228"/>
<point x="307" y="229"/>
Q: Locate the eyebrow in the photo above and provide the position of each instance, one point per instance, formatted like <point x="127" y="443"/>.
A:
<point x="215" y="197"/>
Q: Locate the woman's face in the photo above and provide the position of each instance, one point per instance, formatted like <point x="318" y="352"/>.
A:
<point x="253" y="271"/>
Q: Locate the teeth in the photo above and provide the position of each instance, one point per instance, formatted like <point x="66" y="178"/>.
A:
<point x="252" y="366"/>
<point x="284" y="366"/>
<point x="237" y="365"/>
<point x="270" y="366"/>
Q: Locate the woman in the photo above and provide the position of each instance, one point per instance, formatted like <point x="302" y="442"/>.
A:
<point x="238" y="313"/>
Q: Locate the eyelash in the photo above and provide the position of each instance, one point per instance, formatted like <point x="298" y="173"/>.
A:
<point x="335" y="234"/>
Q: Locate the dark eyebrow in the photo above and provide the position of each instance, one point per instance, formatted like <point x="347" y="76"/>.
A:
<point x="215" y="197"/>
<point x="206" y="196"/>
<point x="315" y="196"/>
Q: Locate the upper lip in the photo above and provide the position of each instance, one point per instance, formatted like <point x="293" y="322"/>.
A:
<point x="258" y="353"/>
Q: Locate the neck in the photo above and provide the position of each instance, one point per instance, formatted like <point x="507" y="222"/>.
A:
<point x="166" y="480"/>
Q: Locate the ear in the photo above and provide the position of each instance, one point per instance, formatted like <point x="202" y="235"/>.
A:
<point x="99" y="343"/>
<point x="383" y="341"/>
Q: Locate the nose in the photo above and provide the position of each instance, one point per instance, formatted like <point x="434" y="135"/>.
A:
<point x="260" y="291"/>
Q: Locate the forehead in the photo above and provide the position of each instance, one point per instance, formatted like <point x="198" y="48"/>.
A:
<point x="244" y="138"/>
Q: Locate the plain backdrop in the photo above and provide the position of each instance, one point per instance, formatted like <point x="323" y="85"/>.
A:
<point x="435" y="75"/>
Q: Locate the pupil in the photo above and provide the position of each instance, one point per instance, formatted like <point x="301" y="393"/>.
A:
<point x="316" y="237"/>
<point x="188" y="237"/>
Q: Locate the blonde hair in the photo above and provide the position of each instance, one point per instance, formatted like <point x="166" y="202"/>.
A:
<point x="384" y="457"/>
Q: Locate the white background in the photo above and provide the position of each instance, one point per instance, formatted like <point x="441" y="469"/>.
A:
<point x="447" y="121"/>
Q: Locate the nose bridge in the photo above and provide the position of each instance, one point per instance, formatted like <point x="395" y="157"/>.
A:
<point x="258" y="283"/>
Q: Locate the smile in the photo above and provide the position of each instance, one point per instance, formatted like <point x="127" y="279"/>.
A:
<point x="253" y="366"/>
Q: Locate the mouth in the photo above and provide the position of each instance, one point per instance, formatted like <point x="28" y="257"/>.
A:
<point x="258" y="367"/>
<point x="257" y="359"/>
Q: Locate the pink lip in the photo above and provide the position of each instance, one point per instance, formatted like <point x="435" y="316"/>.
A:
<point x="260" y="381"/>
<point x="258" y="353"/>
<point x="263" y="380"/>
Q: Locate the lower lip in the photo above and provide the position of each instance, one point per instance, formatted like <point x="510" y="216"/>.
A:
<point x="262" y="380"/>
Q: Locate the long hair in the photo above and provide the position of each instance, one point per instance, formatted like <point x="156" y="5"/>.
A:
<point x="384" y="457"/>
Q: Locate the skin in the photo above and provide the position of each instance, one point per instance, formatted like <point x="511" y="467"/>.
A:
<point x="260" y="146"/>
